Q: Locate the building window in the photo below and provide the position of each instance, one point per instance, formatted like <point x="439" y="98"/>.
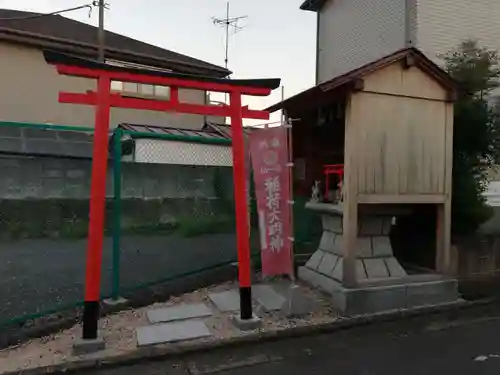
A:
<point x="138" y="89"/>
<point x="141" y="90"/>
<point x="147" y="89"/>
<point x="116" y="86"/>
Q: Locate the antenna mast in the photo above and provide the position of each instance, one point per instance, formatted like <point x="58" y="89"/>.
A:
<point x="228" y="23"/>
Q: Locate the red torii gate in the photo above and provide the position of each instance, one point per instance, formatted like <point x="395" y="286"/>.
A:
<point x="104" y="100"/>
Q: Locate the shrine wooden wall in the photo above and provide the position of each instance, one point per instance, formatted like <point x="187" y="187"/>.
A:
<point x="401" y="127"/>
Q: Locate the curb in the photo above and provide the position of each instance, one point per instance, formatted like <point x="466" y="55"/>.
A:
<point x="156" y="353"/>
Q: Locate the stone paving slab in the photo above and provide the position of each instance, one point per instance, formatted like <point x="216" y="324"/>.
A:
<point x="171" y="332"/>
<point x="179" y="312"/>
<point x="228" y="301"/>
<point x="297" y="303"/>
<point x="268" y="298"/>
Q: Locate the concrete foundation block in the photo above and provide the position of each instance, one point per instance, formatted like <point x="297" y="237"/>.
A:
<point x="84" y="347"/>
<point x="315" y="260"/>
<point x="327" y="242"/>
<point x="339" y="299"/>
<point x="381" y="246"/>
<point x="358" y="301"/>
<point x="375" y="268"/>
<point x="375" y="300"/>
<point x="364" y="247"/>
<point x="432" y="293"/>
<point x="338" y="271"/>
<point x="332" y="224"/>
<point x="395" y="269"/>
<point x="247" y="324"/>
<point x="338" y="245"/>
<point x="317" y="280"/>
<point x="327" y="264"/>
<point x="360" y="270"/>
<point x="383" y="283"/>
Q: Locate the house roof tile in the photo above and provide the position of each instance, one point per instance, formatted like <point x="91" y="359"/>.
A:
<point x="68" y="35"/>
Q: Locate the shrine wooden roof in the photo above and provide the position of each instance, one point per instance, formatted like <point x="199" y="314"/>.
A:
<point x="313" y="5"/>
<point x="348" y="81"/>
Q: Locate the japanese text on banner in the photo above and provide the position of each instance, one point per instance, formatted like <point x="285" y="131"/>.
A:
<point x="269" y="159"/>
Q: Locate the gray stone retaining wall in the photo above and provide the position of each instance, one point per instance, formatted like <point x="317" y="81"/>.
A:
<point x="42" y="196"/>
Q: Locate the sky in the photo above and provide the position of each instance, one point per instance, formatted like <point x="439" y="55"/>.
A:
<point x="277" y="41"/>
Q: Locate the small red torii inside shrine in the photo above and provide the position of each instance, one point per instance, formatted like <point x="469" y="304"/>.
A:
<point x="103" y="99"/>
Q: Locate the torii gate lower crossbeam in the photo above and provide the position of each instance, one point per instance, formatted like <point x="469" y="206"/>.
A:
<point x="104" y="100"/>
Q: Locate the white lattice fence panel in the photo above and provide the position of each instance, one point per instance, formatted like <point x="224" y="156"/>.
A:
<point x="184" y="153"/>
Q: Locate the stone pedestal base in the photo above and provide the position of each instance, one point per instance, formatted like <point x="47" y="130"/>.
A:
<point x="374" y="256"/>
<point x="383" y="283"/>
<point x="406" y="293"/>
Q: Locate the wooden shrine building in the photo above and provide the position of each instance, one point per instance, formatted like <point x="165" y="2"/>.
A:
<point x="386" y="130"/>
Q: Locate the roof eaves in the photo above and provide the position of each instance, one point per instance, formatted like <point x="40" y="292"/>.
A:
<point x="41" y="40"/>
<point x="313" y="5"/>
<point x="435" y="70"/>
<point x="150" y="131"/>
<point x="421" y="60"/>
<point x="341" y="81"/>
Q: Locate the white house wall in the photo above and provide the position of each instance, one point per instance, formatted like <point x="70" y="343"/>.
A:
<point x="352" y="33"/>
<point x="443" y="24"/>
<point x="182" y="153"/>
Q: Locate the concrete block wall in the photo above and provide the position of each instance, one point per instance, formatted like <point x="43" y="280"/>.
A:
<point x="42" y="196"/>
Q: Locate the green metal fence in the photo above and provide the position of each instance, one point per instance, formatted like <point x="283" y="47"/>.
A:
<point x="150" y="239"/>
<point x="173" y="224"/>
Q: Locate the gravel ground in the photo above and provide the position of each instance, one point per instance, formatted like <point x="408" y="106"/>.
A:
<point x="43" y="274"/>
<point x="118" y="331"/>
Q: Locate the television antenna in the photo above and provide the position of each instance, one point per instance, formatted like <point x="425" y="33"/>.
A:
<point x="229" y="23"/>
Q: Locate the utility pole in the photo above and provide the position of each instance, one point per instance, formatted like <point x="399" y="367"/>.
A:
<point x="101" y="32"/>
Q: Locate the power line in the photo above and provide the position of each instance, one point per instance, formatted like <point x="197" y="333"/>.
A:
<point x="85" y="6"/>
<point x="101" y="4"/>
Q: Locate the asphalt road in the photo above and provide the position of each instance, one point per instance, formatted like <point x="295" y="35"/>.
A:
<point x="40" y="275"/>
<point x="470" y="349"/>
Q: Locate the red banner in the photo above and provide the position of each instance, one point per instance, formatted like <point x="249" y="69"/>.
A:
<point x="269" y="152"/>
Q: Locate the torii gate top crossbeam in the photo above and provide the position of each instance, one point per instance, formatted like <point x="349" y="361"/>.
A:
<point x="79" y="67"/>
